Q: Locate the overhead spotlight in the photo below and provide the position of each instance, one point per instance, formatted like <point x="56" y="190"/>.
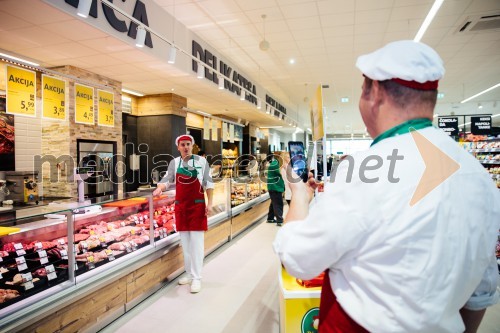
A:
<point x="242" y="94"/>
<point x="239" y="120"/>
<point x="172" y="52"/>
<point x="246" y="123"/>
<point x="84" y="8"/>
<point x="141" y="36"/>
<point x="259" y="104"/>
<point x="221" y="82"/>
<point x="201" y="71"/>
<point x="479" y="106"/>
<point x="268" y="109"/>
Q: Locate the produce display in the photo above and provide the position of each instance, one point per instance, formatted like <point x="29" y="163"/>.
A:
<point x="487" y="152"/>
<point x="30" y="266"/>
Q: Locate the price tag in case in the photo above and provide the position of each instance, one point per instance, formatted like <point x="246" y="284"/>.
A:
<point x="38" y="246"/>
<point x="1" y="259"/>
<point x="18" y="246"/>
<point x="28" y="278"/>
<point x="64" y="254"/>
<point x="61" y="241"/>
<point x="110" y="255"/>
<point x="90" y="262"/>
<point x="51" y="272"/>
<point x="21" y="264"/>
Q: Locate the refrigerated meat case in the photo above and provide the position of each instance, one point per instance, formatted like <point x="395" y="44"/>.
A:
<point x="56" y="255"/>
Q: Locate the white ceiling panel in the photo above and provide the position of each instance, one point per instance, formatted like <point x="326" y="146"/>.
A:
<point x="30" y="11"/>
<point x="335" y="20"/>
<point x="10" y="22"/>
<point x="373" y="16"/>
<point x="302" y="10"/>
<point x="335" y="7"/>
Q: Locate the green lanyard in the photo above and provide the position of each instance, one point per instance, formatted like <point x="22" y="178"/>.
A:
<point x="404" y="128"/>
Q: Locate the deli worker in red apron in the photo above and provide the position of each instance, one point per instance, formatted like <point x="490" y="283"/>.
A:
<point x="191" y="176"/>
<point x="407" y="230"/>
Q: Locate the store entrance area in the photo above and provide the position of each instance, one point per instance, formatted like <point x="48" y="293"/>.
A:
<point x="240" y="293"/>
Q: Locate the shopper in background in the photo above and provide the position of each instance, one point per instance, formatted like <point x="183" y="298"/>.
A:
<point x="285" y="158"/>
<point x="191" y="176"/>
<point x="202" y="154"/>
<point x="275" y="187"/>
<point x="393" y="266"/>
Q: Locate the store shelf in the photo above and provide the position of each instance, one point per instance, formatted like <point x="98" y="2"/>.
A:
<point x="490" y="162"/>
<point x="492" y="150"/>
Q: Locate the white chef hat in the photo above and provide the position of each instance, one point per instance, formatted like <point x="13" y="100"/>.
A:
<point x="409" y="63"/>
<point x="184" y="137"/>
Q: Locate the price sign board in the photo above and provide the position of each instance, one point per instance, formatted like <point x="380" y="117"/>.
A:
<point x="21" y="91"/>
<point x="53" y="98"/>
<point x="480" y="125"/>
<point x="449" y="125"/>
<point x="105" y="108"/>
<point x="84" y="104"/>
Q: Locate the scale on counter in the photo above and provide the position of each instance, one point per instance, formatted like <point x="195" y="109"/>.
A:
<point x="81" y="174"/>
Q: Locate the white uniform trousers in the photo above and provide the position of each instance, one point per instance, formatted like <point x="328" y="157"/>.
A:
<point x="193" y="250"/>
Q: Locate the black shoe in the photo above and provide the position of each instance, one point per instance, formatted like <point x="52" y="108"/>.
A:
<point x="271" y="221"/>
<point x="279" y="224"/>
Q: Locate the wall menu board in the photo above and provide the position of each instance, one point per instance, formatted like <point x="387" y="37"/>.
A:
<point x="53" y="98"/>
<point x="105" y="108"/>
<point x="21" y="91"/>
<point x="480" y="125"/>
<point x="84" y="104"/>
<point x="449" y="125"/>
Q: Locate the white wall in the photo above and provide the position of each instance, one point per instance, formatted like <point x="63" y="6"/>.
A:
<point x="28" y="141"/>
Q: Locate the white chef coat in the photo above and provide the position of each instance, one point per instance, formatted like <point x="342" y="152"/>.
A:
<point x="396" y="268"/>
<point x="198" y="162"/>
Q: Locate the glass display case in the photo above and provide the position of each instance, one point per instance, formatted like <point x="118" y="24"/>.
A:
<point x="50" y="252"/>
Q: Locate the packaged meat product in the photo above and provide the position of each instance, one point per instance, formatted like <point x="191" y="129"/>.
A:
<point x="4" y="254"/>
<point x="8" y="294"/>
<point x="41" y="272"/>
<point x="17" y="280"/>
<point x="117" y="247"/>
<point x="83" y="257"/>
<point x="45" y="245"/>
<point x="78" y="238"/>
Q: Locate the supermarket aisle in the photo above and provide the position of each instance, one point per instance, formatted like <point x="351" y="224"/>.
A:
<point x="240" y="293"/>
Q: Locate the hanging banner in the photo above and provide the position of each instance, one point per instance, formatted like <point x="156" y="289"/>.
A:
<point x="105" y="108"/>
<point x="231" y="133"/>
<point x="21" y="91"/>
<point x="224" y="132"/>
<point x="206" y="128"/>
<point x="316" y="109"/>
<point x="53" y="98"/>
<point x="214" y="130"/>
<point x="84" y="104"/>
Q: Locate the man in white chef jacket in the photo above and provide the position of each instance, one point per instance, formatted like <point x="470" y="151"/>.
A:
<point x="407" y="230"/>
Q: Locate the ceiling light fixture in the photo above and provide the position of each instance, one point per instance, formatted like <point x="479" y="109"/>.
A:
<point x="259" y="104"/>
<point x="84" y="8"/>
<point x="204" y="113"/>
<point x="271" y="127"/>
<point x="8" y="56"/>
<point x="172" y="53"/>
<point x="268" y="109"/>
<point x="221" y="82"/>
<point x="141" y="36"/>
<point x="246" y="123"/>
<point x="264" y="44"/>
<point x="344" y="99"/>
<point x="479" y="106"/>
<point x="482" y="92"/>
<point x="200" y="73"/>
<point x="292" y="61"/>
<point x="131" y="92"/>
<point x="242" y="94"/>
<point x="428" y="19"/>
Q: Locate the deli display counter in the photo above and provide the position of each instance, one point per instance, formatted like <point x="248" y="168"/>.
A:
<point x="60" y="258"/>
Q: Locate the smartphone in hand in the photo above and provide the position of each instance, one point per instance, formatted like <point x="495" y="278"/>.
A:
<point x="298" y="159"/>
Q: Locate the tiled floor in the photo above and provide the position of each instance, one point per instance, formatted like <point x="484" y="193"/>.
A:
<point x="240" y="294"/>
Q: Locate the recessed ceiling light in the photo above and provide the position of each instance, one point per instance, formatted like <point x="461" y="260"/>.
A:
<point x="440" y="95"/>
<point x="292" y="61"/>
<point x="344" y="99"/>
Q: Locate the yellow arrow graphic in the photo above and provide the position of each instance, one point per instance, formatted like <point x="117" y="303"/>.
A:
<point x="438" y="167"/>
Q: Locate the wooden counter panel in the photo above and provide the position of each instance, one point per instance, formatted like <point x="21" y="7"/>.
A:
<point x="217" y="235"/>
<point x="150" y="275"/>
<point x="245" y="219"/>
<point x="85" y="312"/>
